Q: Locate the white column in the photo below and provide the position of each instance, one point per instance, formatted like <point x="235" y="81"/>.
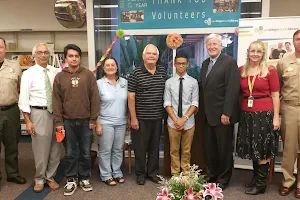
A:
<point x="265" y="8"/>
<point x="90" y="33"/>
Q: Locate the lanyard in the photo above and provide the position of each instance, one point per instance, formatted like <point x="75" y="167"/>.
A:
<point x="251" y="83"/>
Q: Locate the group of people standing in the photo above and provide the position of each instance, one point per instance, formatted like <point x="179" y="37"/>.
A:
<point x="71" y="101"/>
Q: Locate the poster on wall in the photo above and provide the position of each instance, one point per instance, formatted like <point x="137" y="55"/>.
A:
<point x="275" y="33"/>
<point x="164" y="14"/>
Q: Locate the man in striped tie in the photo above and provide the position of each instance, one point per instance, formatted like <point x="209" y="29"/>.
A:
<point x="35" y="102"/>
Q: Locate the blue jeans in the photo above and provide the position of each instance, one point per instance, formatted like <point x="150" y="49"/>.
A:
<point x="110" y="151"/>
<point x="78" y="142"/>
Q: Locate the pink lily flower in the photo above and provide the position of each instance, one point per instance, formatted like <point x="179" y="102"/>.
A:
<point x="212" y="190"/>
<point x="189" y="194"/>
<point x="164" y="195"/>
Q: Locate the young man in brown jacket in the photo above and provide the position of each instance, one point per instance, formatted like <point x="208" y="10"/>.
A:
<point x="76" y="106"/>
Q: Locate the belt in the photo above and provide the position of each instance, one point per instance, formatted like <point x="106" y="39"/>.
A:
<point x="39" y="107"/>
<point x="257" y="97"/>
<point x="292" y="102"/>
<point x="3" y="108"/>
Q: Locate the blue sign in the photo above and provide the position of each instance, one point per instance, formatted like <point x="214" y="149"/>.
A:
<point x="161" y="14"/>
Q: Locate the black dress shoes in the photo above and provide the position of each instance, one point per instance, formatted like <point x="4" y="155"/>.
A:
<point x="210" y="180"/>
<point x="154" y="179"/>
<point x="140" y="180"/>
<point x="222" y="186"/>
<point x="17" y="180"/>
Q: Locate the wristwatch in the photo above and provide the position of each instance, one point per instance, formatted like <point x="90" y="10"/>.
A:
<point x="186" y="117"/>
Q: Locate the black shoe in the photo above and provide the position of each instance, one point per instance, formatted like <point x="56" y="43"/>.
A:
<point x="222" y="186"/>
<point x="210" y="180"/>
<point x="261" y="180"/>
<point x="17" y="180"/>
<point x="253" y="180"/>
<point x="140" y="180"/>
<point x="155" y="179"/>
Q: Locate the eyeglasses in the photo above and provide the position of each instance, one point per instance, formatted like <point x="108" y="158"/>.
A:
<point x="150" y="53"/>
<point x="183" y="64"/>
<point x="46" y="53"/>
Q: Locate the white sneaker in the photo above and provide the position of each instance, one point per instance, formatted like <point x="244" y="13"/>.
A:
<point x="70" y="187"/>
<point x="85" y="185"/>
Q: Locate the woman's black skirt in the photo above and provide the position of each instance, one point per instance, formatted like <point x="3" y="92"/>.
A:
<point x="256" y="137"/>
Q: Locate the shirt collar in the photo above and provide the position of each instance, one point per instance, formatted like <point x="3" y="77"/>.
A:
<point x="293" y="58"/>
<point x="215" y="59"/>
<point x="107" y="81"/>
<point x="40" y="68"/>
<point x="145" y="70"/>
<point x="184" y="76"/>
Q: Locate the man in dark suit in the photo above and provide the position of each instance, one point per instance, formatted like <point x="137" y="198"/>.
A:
<point x="220" y="82"/>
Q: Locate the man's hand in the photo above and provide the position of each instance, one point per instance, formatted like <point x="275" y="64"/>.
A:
<point x="179" y="124"/>
<point x="60" y="128"/>
<point x="99" y="129"/>
<point x="135" y="123"/>
<point x="92" y="126"/>
<point x="30" y="128"/>
<point x="225" y="120"/>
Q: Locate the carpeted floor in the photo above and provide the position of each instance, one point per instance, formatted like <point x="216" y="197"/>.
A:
<point x="128" y="191"/>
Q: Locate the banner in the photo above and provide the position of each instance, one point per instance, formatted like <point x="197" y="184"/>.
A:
<point x="165" y="14"/>
<point x="276" y="33"/>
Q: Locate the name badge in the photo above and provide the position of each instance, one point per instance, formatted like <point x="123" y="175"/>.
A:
<point x="250" y="102"/>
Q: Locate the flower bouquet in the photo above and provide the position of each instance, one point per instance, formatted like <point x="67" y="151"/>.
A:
<point x="190" y="186"/>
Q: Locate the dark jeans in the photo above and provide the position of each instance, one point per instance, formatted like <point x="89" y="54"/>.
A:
<point x="78" y="142"/>
<point x="145" y="141"/>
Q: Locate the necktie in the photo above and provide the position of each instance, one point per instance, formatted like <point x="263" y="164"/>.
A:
<point x="210" y="65"/>
<point x="180" y="98"/>
<point x="48" y="91"/>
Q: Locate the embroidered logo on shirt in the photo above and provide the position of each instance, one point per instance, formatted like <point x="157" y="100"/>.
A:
<point x="122" y="85"/>
<point x="75" y="81"/>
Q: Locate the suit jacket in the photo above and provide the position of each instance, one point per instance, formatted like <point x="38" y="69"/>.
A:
<point x="221" y="90"/>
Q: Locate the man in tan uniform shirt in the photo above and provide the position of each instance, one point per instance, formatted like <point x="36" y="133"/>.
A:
<point x="10" y="128"/>
<point x="289" y="75"/>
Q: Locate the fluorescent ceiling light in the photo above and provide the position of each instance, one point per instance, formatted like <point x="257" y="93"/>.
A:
<point x="105" y="6"/>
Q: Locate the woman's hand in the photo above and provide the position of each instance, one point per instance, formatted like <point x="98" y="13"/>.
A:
<point x="276" y="122"/>
<point x="98" y="129"/>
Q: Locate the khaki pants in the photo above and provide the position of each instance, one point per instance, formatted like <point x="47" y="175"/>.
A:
<point x="184" y="140"/>
<point x="290" y="126"/>
<point x="46" y="150"/>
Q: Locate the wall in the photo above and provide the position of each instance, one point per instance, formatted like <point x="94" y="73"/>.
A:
<point x="39" y="16"/>
<point x="29" y="14"/>
<point x="284" y="8"/>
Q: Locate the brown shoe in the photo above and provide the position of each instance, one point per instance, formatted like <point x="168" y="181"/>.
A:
<point x="297" y="193"/>
<point x="38" y="187"/>
<point x="53" y="185"/>
<point x="284" y="191"/>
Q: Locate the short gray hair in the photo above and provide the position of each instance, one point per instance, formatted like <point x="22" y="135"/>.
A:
<point x="148" y="45"/>
<point x="214" y="36"/>
<point x="37" y="45"/>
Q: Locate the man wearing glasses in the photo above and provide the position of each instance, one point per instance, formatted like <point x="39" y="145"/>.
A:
<point x="35" y="102"/>
<point x="145" y="101"/>
<point x="181" y="102"/>
<point x="10" y="74"/>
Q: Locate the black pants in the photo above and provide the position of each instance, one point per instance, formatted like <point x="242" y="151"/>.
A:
<point x="219" y="149"/>
<point x="10" y="133"/>
<point x="145" y="141"/>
